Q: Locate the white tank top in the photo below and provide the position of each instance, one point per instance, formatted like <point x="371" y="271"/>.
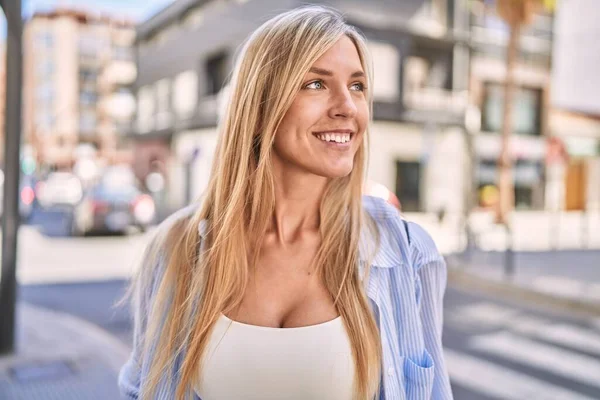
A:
<point x="249" y="362"/>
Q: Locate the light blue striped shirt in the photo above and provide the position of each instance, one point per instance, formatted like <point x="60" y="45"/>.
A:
<point x="405" y="288"/>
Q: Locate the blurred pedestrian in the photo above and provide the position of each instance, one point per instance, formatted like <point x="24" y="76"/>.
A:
<point x="285" y="282"/>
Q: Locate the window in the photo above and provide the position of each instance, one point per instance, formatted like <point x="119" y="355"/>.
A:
<point x="526" y="109"/>
<point x="88" y="98"/>
<point x="45" y="69"/>
<point x="216" y="73"/>
<point x="45" y="93"/>
<point x="408" y="185"/>
<point x="528" y="183"/>
<point x="88" y="75"/>
<point x="44" y="40"/>
<point x="523" y="197"/>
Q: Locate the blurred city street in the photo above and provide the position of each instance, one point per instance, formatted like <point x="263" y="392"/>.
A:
<point x="485" y="130"/>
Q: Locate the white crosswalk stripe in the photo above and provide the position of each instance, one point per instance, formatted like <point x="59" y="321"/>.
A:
<point x="494" y="316"/>
<point x="571" y="351"/>
<point x="494" y="381"/>
<point x="561" y="362"/>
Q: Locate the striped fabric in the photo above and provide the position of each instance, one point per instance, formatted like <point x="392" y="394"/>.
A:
<point x="405" y="289"/>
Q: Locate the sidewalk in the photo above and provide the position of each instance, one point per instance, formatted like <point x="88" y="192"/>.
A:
<point x="561" y="279"/>
<point x="60" y="357"/>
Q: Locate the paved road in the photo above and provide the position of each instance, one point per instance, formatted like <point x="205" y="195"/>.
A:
<point x="91" y="301"/>
<point x="497" y="350"/>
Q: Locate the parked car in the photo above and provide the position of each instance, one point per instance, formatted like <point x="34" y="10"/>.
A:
<point x="59" y="190"/>
<point x="114" y="205"/>
<point x="58" y="195"/>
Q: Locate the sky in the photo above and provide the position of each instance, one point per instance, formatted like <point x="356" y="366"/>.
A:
<point x="137" y="10"/>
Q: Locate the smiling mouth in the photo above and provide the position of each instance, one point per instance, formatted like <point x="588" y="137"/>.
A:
<point x="334" y="137"/>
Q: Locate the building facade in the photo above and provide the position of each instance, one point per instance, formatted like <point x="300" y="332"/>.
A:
<point x="575" y="119"/>
<point x="531" y="104"/>
<point x="421" y="59"/>
<point x="78" y="69"/>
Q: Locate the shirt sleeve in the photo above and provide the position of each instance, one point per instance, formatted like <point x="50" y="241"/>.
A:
<point x="144" y="286"/>
<point x="431" y="271"/>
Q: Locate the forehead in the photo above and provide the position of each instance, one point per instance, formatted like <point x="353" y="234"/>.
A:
<point x="342" y="55"/>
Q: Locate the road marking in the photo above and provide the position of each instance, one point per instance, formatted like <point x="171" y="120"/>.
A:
<point x="494" y="381"/>
<point x="486" y="314"/>
<point x="570" y="336"/>
<point x="490" y="315"/>
<point x="507" y="345"/>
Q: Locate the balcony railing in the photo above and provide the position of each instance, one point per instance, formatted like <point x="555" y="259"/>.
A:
<point x="436" y="99"/>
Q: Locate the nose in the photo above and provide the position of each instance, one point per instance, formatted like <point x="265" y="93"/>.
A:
<point x="343" y="105"/>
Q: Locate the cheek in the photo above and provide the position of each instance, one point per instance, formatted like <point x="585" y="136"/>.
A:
<point x="362" y="114"/>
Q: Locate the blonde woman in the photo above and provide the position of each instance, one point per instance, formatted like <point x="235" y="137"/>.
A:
<point x="285" y="283"/>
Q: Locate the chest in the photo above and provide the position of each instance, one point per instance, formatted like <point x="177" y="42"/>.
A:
<point x="284" y="290"/>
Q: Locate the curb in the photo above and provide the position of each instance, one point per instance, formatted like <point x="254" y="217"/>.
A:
<point x="459" y="278"/>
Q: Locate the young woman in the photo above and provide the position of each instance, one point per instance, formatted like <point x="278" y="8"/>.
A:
<point x="285" y="282"/>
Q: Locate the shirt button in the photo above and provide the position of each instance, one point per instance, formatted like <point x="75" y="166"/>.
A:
<point x="391" y="371"/>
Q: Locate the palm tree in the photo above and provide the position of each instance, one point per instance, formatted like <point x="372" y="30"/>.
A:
<point x="516" y="14"/>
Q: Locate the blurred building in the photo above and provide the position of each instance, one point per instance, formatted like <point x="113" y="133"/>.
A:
<point x="77" y="76"/>
<point x="421" y="60"/>
<point x="575" y="118"/>
<point x="489" y="38"/>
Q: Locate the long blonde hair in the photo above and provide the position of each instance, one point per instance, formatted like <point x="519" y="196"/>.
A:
<point x="203" y="280"/>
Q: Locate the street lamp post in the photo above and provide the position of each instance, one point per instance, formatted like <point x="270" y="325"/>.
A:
<point x="10" y="222"/>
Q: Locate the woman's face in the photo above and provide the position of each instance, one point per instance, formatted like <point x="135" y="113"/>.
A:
<point x="324" y="127"/>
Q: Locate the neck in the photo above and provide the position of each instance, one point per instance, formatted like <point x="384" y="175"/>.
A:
<point x="298" y="197"/>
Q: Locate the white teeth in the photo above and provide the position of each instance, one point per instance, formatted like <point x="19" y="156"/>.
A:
<point x="330" y="137"/>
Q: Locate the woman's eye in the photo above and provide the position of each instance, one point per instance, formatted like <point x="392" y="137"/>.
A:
<point x="358" y="87"/>
<point x="314" y="85"/>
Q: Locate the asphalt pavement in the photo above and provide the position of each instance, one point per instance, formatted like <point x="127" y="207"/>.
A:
<point x="497" y="349"/>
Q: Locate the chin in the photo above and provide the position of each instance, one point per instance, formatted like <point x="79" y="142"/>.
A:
<point x="337" y="172"/>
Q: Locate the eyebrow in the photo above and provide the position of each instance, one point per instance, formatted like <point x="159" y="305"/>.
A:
<point x="326" y="72"/>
